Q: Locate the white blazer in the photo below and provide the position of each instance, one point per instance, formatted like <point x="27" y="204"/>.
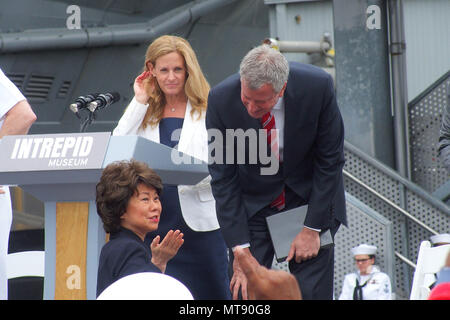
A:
<point x="197" y="202"/>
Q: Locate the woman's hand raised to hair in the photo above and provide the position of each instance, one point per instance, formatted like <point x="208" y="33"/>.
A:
<point x="140" y="91"/>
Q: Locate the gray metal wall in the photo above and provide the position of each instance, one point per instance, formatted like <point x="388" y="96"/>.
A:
<point x="300" y="21"/>
<point x="52" y="79"/>
<point x="425" y="118"/>
<point x="427" y="32"/>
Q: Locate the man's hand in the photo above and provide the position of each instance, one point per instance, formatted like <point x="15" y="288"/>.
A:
<point x="265" y="284"/>
<point x="305" y="246"/>
<point x="1" y="190"/>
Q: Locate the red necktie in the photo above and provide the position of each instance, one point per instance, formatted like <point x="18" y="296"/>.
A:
<point x="268" y="123"/>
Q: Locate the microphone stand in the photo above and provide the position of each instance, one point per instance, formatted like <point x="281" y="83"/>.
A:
<point x="105" y="100"/>
<point x="88" y="121"/>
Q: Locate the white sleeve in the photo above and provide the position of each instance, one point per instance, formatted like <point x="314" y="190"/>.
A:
<point x="131" y="120"/>
<point x="9" y="94"/>
<point x="347" y="288"/>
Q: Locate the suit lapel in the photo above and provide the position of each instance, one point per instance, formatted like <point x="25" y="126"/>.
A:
<point x="292" y="122"/>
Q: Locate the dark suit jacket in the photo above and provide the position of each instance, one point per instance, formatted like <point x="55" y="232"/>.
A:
<point x="313" y="155"/>
<point x="123" y="255"/>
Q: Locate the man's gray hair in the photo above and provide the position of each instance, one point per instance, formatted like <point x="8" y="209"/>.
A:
<point x="264" y="65"/>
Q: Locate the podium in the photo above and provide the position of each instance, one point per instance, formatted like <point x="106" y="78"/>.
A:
<point x="62" y="171"/>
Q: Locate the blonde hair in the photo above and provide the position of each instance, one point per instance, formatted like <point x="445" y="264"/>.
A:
<point x="196" y="87"/>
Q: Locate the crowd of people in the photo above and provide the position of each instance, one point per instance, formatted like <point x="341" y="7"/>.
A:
<point x="213" y="236"/>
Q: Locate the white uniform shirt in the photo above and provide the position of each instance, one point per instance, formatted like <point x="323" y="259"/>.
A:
<point x="9" y="97"/>
<point x="378" y="287"/>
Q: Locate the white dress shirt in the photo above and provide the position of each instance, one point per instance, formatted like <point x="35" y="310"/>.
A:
<point x="278" y="113"/>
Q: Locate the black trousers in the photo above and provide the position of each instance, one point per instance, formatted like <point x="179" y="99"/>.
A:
<point x="315" y="276"/>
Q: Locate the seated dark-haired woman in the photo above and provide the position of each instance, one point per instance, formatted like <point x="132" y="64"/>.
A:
<point x="127" y="199"/>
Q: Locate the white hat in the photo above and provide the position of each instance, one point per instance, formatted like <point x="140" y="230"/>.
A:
<point x="440" y="238"/>
<point x="364" y="249"/>
<point x="146" y="286"/>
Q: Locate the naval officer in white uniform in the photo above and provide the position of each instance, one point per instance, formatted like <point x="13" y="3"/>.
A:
<point x="368" y="282"/>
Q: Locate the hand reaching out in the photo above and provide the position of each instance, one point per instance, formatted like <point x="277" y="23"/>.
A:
<point x="167" y="249"/>
<point x="239" y="280"/>
<point x="265" y="284"/>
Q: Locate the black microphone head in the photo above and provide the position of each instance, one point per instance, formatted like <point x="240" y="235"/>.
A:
<point x="104" y="100"/>
<point x="92" y="96"/>
<point x="115" y="96"/>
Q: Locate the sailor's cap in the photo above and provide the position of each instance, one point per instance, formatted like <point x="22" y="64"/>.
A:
<point x="364" y="249"/>
<point x="440" y="238"/>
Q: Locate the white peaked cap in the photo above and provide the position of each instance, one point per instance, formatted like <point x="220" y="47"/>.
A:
<point x="364" y="249"/>
<point x="440" y="238"/>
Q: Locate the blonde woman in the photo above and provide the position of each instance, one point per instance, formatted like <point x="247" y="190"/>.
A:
<point x="171" y="94"/>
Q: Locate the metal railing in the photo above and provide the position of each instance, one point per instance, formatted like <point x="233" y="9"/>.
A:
<point x="395" y="176"/>
<point x="392" y="204"/>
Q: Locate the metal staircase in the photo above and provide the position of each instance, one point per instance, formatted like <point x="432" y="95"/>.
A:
<point x="413" y="207"/>
<point x="414" y="213"/>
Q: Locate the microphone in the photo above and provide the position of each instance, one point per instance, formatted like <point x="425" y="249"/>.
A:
<point x="82" y="101"/>
<point x="103" y="100"/>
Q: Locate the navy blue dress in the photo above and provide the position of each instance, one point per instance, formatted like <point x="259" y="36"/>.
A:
<point x="201" y="263"/>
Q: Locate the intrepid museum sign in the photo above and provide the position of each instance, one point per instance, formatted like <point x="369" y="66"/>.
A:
<point x="64" y="151"/>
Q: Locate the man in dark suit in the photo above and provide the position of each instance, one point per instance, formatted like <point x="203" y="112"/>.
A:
<point x="298" y="101"/>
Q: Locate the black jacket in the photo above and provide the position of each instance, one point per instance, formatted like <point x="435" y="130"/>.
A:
<point x="123" y="255"/>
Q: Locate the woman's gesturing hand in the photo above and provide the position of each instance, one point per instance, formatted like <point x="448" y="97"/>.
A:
<point x="167" y="249"/>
